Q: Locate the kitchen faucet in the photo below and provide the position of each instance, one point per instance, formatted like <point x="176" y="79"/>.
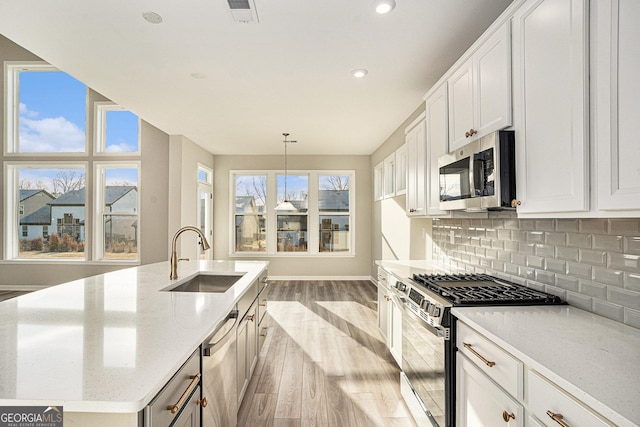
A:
<point x="174" y="256"/>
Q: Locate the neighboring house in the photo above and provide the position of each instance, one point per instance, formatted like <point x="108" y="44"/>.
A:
<point x="66" y="215"/>
<point x="32" y="200"/>
<point x="249" y="228"/>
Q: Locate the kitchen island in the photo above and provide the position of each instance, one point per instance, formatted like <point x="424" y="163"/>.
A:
<point x="107" y="344"/>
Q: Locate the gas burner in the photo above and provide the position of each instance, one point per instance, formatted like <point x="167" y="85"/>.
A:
<point x="482" y="289"/>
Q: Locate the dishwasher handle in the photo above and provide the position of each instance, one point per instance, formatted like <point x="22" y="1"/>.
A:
<point x="207" y="348"/>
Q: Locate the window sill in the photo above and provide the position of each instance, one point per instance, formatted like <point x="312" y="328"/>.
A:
<point x="67" y="262"/>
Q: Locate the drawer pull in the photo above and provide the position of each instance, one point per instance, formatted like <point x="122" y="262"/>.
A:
<point x="507" y="416"/>
<point x="557" y="418"/>
<point x="194" y="382"/>
<point x="479" y="356"/>
<point x="251" y="317"/>
<point x="204" y="402"/>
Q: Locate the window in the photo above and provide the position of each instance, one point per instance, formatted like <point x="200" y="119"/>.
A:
<point x="321" y="223"/>
<point x="117" y="211"/>
<point x="205" y="207"/>
<point x="48" y="214"/>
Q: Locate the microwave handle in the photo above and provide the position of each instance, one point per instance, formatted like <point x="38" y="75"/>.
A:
<point x="472" y="186"/>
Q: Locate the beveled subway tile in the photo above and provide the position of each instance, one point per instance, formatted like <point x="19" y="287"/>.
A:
<point x="535" y="261"/>
<point x="556" y="266"/>
<point x="624" y="298"/>
<point x="545" y="277"/>
<point x="593" y="289"/>
<point x="535" y="236"/>
<point x="526" y="248"/>
<point x="519" y="235"/>
<point x="632" y="317"/>
<point x="632" y="245"/>
<point x="504" y="256"/>
<point x="608" y="243"/>
<point x="569" y="254"/>
<point x="504" y="234"/>
<point x="598" y="258"/>
<point x="527" y="224"/>
<point x="545" y="224"/>
<point x="556" y="239"/>
<point x="611" y="311"/>
<point x="632" y="282"/>
<point x="511" y="269"/>
<point x="497" y="244"/>
<point x="497" y="265"/>
<point x="625" y="227"/>
<point x="491" y="233"/>
<point x="491" y="254"/>
<point x="579" y="270"/>
<point x="625" y="262"/>
<point x="511" y="245"/>
<point x="547" y="251"/>
<point x="594" y="226"/>
<point x="609" y="277"/>
<point x="528" y="273"/>
<point x="578" y="300"/>
<point x="568" y="225"/>
<point x="576" y="240"/>
<point x="568" y="283"/>
<point x="519" y="259"/>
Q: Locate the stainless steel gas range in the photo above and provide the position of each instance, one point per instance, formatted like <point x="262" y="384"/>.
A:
<point x="428" y="334"/>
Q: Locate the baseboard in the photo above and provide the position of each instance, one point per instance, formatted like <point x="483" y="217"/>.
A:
<point x="307" y="278"/>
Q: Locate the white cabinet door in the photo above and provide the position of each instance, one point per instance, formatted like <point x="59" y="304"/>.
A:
<point x="437" y="143"/>
<point x="492" y="83"/>
<point x="461" y="104"/>
<point x="395" y="332"/>
<point x="383" y="311"/>
<point x="401" y="170"/>
<point x="551" y="105"/>
<point x="415" y="136"/>
<point x="389" y="175"/>
<point x="616" y="68"/>
<point x="480" y="91"/>
<point x="378" y="181"/>
<point x="480" y="402"/>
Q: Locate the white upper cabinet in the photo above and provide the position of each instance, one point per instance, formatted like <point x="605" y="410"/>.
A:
<point x="551" y="106"/>
<point x="389" y="176"/>
<point x="401" y="170"/>
<point x="480" y="91"/>
<point x="436" y="116"/>
<point x="415" y="138"/>
<point x="378" y="181"/>
<point x="616" y="104"/>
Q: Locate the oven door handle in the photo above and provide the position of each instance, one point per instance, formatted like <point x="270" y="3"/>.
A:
<point x="439" y="332"/>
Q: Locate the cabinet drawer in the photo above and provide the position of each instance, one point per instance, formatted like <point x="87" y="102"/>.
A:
<point x="499" y="365"/>
<point x="546" y="399"/>
<point x="183" y="380"/>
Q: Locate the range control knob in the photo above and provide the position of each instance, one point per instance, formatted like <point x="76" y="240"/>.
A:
<point x="425" y="305"/>
<point x="401" y="286"/>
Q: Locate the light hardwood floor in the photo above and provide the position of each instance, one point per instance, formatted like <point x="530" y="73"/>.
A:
<point x="324" y="362"/>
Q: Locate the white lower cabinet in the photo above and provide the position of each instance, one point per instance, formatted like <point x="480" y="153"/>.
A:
<point x="389" y="316"/>
<point x="482" y="403"/>
<point x="489" y="390"/>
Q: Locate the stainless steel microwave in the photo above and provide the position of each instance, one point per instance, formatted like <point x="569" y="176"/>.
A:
<point x="479" y="176"/>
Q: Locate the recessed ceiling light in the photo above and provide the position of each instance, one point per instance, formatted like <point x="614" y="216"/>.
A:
<point x="384" y="6"/>
<point x="359" y="73"/>
<point x="152" y="17"/>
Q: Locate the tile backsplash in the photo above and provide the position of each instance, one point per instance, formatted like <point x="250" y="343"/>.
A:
<point x="593" y="264"/>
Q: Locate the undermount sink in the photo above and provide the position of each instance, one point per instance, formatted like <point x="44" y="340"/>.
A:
<point x="207" y="283"/>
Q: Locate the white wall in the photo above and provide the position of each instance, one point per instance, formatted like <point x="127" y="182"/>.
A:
<point x="302" y="266"/>
<point x="183" y="192"/>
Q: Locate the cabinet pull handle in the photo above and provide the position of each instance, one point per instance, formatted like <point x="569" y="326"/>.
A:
<point x="194" y="382"/>
<point x="515" y="203"/>
<point x="479" y="356"/>
<point x="251" y="317"/>
<point x="557" y="417"/>
<point x="204" y="402"/>
<point x="507" y="416"/>
<point x="412" y="210"/>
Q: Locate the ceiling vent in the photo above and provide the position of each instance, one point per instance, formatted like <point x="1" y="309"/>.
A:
<point x="243" y="11"/>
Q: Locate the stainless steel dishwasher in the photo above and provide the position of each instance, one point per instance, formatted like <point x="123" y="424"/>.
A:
<point x="219" y="386"/>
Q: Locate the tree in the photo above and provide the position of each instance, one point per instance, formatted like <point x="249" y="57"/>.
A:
<point x="335" y="183"/>
<point x="67" y="180"/>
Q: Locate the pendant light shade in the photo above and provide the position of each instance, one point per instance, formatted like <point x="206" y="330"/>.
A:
<point x="285" y="205"/>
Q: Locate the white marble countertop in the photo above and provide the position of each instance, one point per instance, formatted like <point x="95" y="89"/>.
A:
<point x="109" y="343"/>
<point x="595" y="359"/>
<point x="404" y="269"/>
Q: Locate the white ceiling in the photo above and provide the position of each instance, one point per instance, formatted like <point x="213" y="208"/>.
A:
<point x="288" y="73"/>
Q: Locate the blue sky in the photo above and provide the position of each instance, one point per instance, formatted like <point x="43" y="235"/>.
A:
<point x="53" y="119"/>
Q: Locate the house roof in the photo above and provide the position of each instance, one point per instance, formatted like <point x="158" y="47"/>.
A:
<point x="113" y="193"/>
<point x="333" y="200"/>
<point x="41" y="216"/>
<point x="25" y="194"/>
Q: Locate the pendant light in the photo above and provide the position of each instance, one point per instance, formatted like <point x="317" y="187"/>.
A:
<point x="286" y="205"/>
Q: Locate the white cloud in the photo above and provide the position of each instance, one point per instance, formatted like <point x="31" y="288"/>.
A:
<point x="120" y="147"/>
<point x="50" y="135"/>
<point x="24" y="111"/>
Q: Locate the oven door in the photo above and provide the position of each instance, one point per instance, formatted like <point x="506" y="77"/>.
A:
<point x="423" y="366"/>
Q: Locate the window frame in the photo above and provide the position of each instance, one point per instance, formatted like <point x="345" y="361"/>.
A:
<point x="100" y="110"/>
<point x="313" y="213"/>
<point x="99" y="168"/>
<point x="11" y="142"/>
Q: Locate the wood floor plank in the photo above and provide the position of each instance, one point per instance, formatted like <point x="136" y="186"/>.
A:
<point x="261" y="412"/>
<point x="314" y="399"/>
<point x="289" y="402"/>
